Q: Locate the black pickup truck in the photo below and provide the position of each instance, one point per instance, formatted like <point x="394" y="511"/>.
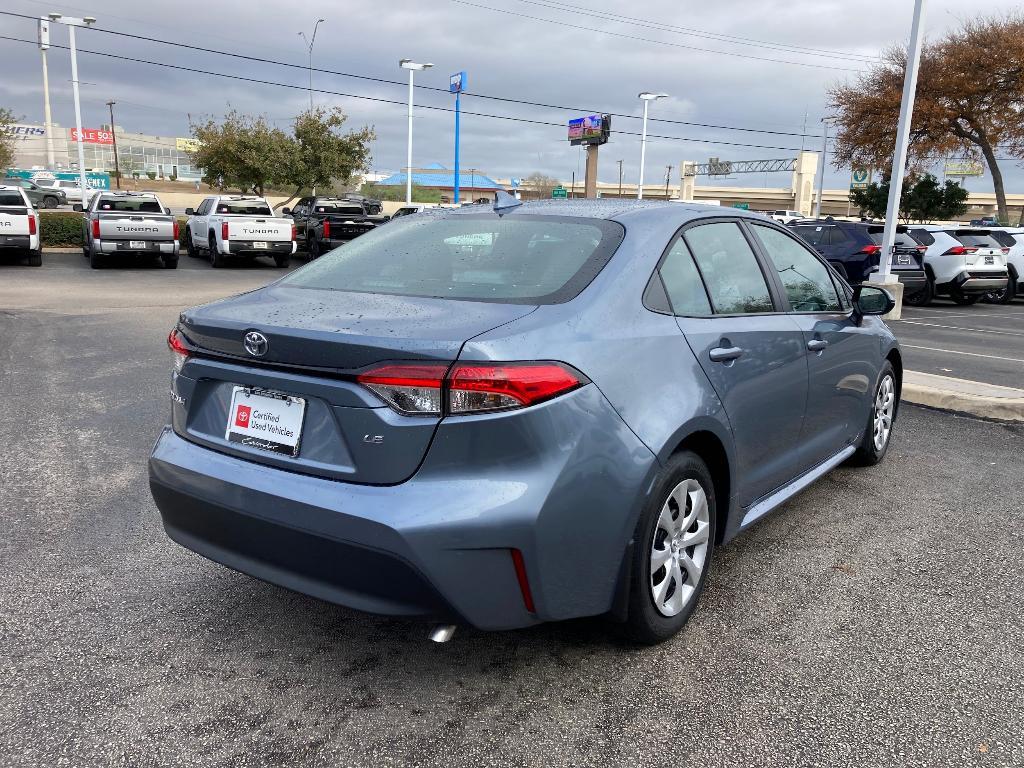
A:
<point x="324" y="223"/>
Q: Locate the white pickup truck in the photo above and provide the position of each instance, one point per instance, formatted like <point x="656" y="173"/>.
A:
<point x="228" y="225"/>
<point x="128" y="225"/>
<point x="19" y="225"/>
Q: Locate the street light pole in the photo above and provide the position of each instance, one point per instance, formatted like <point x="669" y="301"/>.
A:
<point x="899" y="159"/>
<point x="113" y="138"/>
<point x="44" y="44"/>
<point x="646" y="97"/>
<point x="309" y="46"/>
<point x="821" y="168"/>
<point x="71" y="22"/>
<point x="413" y="67"/>
<point x="620" y="177"/>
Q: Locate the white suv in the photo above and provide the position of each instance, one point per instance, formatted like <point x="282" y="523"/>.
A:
<point x="1012" y="238"/>
<point x="784" y="217"/>
<point x="964" y="263"/>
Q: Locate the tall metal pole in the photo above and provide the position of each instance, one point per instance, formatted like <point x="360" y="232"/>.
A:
<point x="458" y="110"/>
<point x="620" y="177"/>
<point x="899" y="159"/>
<point x="78" y="112"/>
<point x="821" y="169"/>
<point x="113" y="138"/>
<point x="643" y="153"/>
<point x="668" y="178"/>
<point x="48" y="122"/>
<point x="408" y="153"/>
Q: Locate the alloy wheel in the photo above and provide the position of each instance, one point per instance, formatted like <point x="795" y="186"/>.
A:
<point x="885" y="406"/>
<point x="679" y="549"/>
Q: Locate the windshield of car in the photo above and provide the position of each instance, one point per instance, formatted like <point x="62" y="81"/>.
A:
<point x="11" y="199"/>
<point x="520" y="259"/>
<point x="244" y="208"/>
<point x="129" y="204"/>
<point x="347" y="209"/>
<point x="976" y="238"/>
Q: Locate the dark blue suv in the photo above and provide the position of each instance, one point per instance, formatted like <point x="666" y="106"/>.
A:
<point x="853" y="249"/>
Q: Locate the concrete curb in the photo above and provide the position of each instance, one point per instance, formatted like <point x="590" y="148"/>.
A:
<point x="986" y="401"/>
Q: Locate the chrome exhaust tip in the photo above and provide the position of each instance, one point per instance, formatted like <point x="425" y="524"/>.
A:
<point x="442" y="633"/>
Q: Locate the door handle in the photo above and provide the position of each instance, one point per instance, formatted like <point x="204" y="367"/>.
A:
<point x="724" y="354"/>
<point x="817" y="345"/>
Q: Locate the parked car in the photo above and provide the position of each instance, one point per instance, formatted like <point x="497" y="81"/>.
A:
<point x="409" y="210"/>
<point x="238" y="225"/>
<point x="963" y="263"/>
<point x="785" y="217"/>
<point x="40" y="197"/>
<point x="323" y="223"/>
<point x="19" y="225"/>
<point x="71" y="188"/>
<point x="854" y="249"/>
<point x="129" y="224"/>
<point x="565" y="420"/>
<point x="1011" y="238"/>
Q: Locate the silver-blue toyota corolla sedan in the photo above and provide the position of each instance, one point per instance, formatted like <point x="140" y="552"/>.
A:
<point x="503" y="416"/>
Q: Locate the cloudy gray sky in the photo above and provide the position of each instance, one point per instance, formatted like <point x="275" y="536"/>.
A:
<point x="758" y="66"/>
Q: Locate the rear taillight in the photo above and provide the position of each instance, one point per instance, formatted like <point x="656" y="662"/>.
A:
<point x="179" y="352"/>
<point x="96" y="228"/>
<point x="224" y="231"/>
<point x="327" y="230"/>
<point x="1005" y="251"/>
<point x="922" y="248"/>
<point x="294" y="233"/>
<point x="31" y="224"/>
<point x="871" y="250"/>
<point x="959" y="250"/>
<point x="176" y="232"/>
<point x="433" y="388"/>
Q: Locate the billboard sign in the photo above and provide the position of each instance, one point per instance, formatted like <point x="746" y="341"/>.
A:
<point x="559" y="193"/>
<point x="92" y="136"/>
<point x="591" y="129"/>
<point x="26" y="132"/>
<point x="457" y="83"/>
<point x="186" y="145"/>
<point x="964" y="168"/>
<point x="860" y="178"/>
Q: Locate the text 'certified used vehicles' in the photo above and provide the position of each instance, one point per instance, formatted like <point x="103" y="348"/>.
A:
<point x="132" y="224"/>
<point x="238" y="225"/>
<point x="528" y="413"/>
<point x="19" y="226"/>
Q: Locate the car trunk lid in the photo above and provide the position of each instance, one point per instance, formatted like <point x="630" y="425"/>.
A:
<point x="265" y="229"/>
<point x="135" y="226"/>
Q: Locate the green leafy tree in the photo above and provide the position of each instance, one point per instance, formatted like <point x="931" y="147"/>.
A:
<point x="243" y="152"/>
<point x="541" y="184"/>
<point x="7" y="121"/>
<point x="325" y="155"/>
<point x="922" y="199"/>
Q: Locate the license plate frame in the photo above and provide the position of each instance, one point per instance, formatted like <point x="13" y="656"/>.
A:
<point x="903" y="258"/>
<point x="990" y="260"/>
<point x="268" y="435"/>
<point x="138" y="245"/>
<point x="260" y="244"/>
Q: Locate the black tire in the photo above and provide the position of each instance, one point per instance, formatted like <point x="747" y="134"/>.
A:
<point x="283" y="260"/>
<point x="1005" y="296"/>
<point x="49" y="202"/>
<point x="645" y="623"/>
<point x="35" y="258"/>
<point x="964" y="299"/>
<point x="96" y="259"/>
<point x="216" y="258"/>
<point x="314" y="247"/>
<point x="190" y="246"/>
<point x="922" y="297"/>
<point x="170" y="262"/>
<point x="868" y="453"/>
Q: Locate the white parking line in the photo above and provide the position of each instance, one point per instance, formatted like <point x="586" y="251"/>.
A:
<point x="979" y="315"/>
<point x="1004" y="312"/>
<point x="969" y="354"/>
<point x="961" y="328"/>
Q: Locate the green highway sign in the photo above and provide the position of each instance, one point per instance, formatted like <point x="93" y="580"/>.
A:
<point x="559" y="193"/>
<point x="742" y="206"/>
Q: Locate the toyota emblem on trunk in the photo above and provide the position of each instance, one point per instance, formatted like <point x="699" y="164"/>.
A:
<point x="256" y="343"/>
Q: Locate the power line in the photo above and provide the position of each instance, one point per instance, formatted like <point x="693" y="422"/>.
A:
<point x="700" y="33"/>
<point x="651" y="40"/>
<point x="381" y="100"/>
<point x="402" y="84"/>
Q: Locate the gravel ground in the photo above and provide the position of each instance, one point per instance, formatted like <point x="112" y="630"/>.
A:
<point x="875" y="620"/>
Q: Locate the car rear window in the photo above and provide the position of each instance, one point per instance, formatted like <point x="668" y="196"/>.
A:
<point x="342" y="208"/>
<point x="976" y="238"/>
<point x="1005" y="239"/>
<point x="923" y="236"/>
<point x="11" y="200"/>
<point x="903" y="239"/>
<point x="129" y="204"/>
<point x="244" y="208"/>
<point x="518" y="259"/>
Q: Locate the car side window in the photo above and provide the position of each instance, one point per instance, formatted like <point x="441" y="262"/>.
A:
<point x="807" y="280"/>
<point x="730" y="270"/>
<point x="682" y="282"/>
<point x="837" y="236"/>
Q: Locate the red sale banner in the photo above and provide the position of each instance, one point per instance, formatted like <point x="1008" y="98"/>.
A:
<point x="93" y="136"/>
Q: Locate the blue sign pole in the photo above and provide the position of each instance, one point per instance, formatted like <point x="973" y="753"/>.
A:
<point x="455" y="85"/>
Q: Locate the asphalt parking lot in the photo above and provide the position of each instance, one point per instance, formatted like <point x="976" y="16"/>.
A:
<point x="873" y="621"/>
<point x="983" y="342"/>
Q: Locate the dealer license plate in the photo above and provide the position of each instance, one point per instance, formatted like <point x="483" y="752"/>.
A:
<point x="259" y="244"/>
<point x="990" y="260"/>
<point x="269" y="421"/>
<point x="139" y="244"/>
<point x="902" y="258"/>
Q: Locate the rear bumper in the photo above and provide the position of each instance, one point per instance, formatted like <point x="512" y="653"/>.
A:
<point x="978" y="281"/>
<point x="912" y="279"/>
<point x="153" y="247"/>
<point x="17" y="242"/>
<point x="247" y="247"/>
<point x="438" y="545"/>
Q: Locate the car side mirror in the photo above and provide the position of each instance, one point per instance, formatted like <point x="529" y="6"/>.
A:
<point x="871" y="300"/>
<point x="190" y="211"/>
<point x="286" y="211"/>
<point x="77" y="207"/>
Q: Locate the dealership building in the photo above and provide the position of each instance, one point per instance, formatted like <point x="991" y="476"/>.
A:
<point x="164" y="156"/>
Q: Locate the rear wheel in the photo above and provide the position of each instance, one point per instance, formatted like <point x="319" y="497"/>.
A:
<point x="964" y="299"/>
<point x="282" y="261"/>
<point x="1005" y="296"/>
<point x="922" y="297"/>
<point x="881" y="418"/>
<point x="216" y="259"/>
<point x="674" y="541"/>
<point x="96" y="260"/>
<point x="170" y="262"/>
<point x="50" y="202"/>
<point x="35" y="258"/>
<point x="190" y="246"/>
<point x="314" y="247"/>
